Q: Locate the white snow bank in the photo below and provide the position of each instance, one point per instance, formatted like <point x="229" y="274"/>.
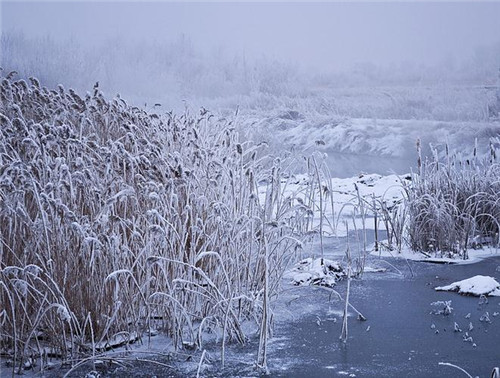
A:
<point x="477" y="285"/>
<point x="474" y="255"/>
<point x="320" y="272"/>
<point x="344" y="199"/>
<point x="362" y="136"/>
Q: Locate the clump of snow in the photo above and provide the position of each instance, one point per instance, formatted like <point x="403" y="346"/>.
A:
<point x="467" y="339"/>
<point x="444" y="308"/>
<point x="320" y="272"/>
<point x="477" y="285"/>
<point x="483" y="300"/>
<point x="485" y="317"/>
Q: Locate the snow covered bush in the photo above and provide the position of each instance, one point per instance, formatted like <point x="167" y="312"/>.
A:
<point x="453" y="202"/>
<point x="112" y="218"/>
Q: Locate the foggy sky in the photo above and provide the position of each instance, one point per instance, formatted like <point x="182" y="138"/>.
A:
<point x="328" y="36"/>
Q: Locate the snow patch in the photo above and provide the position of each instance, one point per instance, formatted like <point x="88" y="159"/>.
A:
<point x="320" y="272"/>
<point x="474" y="255"/>
<point x="477" y="285"/>
<point x="369" y="269"/>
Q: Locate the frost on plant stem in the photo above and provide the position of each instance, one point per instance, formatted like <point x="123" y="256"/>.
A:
<point x="453" y="203"/>
<point x="63" y="313"/>
<point x="107" y="204"/>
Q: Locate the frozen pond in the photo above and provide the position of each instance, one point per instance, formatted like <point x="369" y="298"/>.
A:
<point x="348" y="165"/>
<point x="402" y="335"/>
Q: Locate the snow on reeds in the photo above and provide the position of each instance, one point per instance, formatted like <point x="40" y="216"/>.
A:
<point x="453" y="202"/>
<point x="112" y="218"/>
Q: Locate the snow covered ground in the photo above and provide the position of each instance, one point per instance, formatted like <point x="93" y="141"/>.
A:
<point x="320" y="271"/>
<point x="349" y="206"/>
<point x="357" y="145"/>
<point x="345" y="207"/>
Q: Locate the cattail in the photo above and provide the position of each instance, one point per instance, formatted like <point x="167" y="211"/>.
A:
<point x="116" y="195"/>
<point x="419" y="157"/>
<point x="11" y="75"/>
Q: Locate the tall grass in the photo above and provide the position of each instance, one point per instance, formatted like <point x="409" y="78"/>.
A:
<point x="113" y="218"/>
<point x="452" y="204"/>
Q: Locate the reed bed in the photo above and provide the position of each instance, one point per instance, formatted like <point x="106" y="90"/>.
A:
<point x="115" y="221"/>
<point x="452" y="203"/>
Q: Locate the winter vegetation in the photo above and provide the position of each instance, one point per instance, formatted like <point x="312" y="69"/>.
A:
<point x="115" y="221"/>
<point x="123" y="220"/>
<point x="453" y="202"/>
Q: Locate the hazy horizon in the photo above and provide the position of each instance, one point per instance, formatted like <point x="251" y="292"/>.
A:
<point x="327" y="36"/>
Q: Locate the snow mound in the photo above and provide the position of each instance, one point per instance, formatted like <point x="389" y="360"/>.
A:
<point x="320" y="272"/>
<point x="477" y="285"/>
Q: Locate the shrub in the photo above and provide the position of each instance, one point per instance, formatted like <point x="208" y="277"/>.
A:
<point x="454" y="202"/>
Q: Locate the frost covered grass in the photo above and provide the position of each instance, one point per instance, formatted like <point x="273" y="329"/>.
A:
<point x="453" y="202"/>
<point x="115" y="222"/>
<point x="448" y="207"/>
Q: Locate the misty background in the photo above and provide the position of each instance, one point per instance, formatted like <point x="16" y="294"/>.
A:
<point x="172" y="52"/>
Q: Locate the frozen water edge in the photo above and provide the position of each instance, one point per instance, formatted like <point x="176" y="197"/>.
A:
<point x="474" y="256"/>
<point x="307" y="329"/>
